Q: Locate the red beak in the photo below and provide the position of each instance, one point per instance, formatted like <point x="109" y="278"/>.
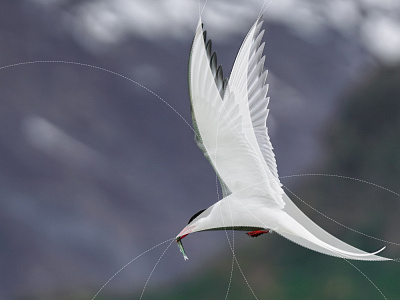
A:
<point x="186" y="231"/>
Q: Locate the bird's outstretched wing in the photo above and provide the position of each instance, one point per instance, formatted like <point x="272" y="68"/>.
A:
<point x="252" y="93"/>
<point x="221" y="84"/>
<point x="224" y="130"/>
<point x="258" y="100"/>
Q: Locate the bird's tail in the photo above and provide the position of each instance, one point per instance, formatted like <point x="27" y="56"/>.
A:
<point x="301" y="230"/>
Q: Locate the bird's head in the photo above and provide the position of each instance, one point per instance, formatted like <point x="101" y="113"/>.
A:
<point x="188" y="229"/>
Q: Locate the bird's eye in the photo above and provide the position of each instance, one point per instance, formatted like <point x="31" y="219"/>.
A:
<point x="195" y="215"/>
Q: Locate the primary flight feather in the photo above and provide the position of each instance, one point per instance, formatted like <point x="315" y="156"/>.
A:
<point x="229" y="118"/>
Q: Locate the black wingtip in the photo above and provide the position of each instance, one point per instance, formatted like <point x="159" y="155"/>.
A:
<point x="213" y="63"/>
<point x="220" y="73"/>
<point x="216" y="71"/>
<point x="225" y="84"/>
<point x="208" y="48"/>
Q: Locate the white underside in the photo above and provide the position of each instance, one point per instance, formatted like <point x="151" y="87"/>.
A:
<point x="290" y="222"/>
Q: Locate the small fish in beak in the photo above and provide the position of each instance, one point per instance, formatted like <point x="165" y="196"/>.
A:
<point x="180" y="245"/>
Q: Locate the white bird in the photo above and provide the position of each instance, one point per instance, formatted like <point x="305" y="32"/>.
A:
<point x="229" y="118"/>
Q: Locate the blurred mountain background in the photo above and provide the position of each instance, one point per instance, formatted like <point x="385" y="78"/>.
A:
<point x="95" y="169"/>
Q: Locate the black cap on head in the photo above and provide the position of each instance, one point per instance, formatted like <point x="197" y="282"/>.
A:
<point x="195" y="215"/>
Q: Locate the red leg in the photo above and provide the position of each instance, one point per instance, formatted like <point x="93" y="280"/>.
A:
<point x="256" y="233"/>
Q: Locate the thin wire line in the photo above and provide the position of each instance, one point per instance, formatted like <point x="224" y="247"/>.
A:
<point x="262" y="11"/>
<point x="329" y="218"/>
<point x="204" y="6"/>
<point x="151" y="273"/>
<point x="127" y="264"/>
<point x="101" y="69"/>
<point x="362" y="273"/>
<point x="343" y="177"/>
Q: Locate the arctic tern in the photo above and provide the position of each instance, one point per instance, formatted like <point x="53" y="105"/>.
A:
<point x="229" y="119"/>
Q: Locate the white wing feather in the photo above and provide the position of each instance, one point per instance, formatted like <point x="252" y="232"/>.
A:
<point x="258" y="100"/>
<point x="250" y="93"/>
<point x="220" y="126"/>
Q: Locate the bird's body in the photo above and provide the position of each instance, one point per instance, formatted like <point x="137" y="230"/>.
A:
<point x="229" y="118"/>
